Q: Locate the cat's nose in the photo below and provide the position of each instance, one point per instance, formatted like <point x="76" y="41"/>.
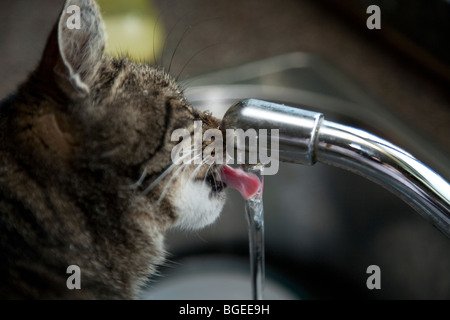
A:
<point x="305" y="138"/>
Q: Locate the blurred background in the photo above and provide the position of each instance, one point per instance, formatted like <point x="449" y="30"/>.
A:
<point x="324" y="226"/>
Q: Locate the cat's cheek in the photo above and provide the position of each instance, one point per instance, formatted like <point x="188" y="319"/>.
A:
<point x="194" y="204"/>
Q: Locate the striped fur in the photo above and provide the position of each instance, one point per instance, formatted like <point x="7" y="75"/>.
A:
<point x="85" y="171"/>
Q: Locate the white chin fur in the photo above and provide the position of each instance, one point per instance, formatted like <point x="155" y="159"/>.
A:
<point x="193" y="204"/>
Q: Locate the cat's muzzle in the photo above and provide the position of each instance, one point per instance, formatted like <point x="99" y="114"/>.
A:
<point x="215" y="181"/>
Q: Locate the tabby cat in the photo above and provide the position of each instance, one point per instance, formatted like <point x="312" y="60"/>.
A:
<point x="86" y="176"/>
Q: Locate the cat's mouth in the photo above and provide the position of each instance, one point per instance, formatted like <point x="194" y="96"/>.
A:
<point x="215" y="182"/>
<point x="248" y="184"/>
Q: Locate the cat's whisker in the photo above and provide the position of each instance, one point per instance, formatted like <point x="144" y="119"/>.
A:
<point x="154" y="35"/>
<point x="144" y="173"/>
<point x="162" y="176"/>
<point x="137" y="183"/>
<point x="206" y="175"/>
<point x="213" y="175"/>
<point x="176" y="47"/>
<point x="169" y="183"/>
<point x="167" y="171"/>
<point x="192" y="58"/>
<point x="176" y="173"/>
<point x="191" y="153"/>
<point x="168" y="36"/>
<point x="195" y="156"/>
<point x="214" y="171"/>
<point x="191" y="160"/>
<point x="157" y="180"/>
<point x="194" y="173"/>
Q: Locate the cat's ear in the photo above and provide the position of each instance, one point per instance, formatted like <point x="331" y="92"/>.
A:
<point x="75" y="48"/>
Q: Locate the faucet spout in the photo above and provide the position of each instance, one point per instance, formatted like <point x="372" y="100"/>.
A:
<point x="306" y="138"/>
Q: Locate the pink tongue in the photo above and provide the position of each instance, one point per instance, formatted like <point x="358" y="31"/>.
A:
<point x="246" y="183"/>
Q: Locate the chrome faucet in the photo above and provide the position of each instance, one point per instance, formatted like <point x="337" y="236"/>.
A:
<point x="305" y="137"/>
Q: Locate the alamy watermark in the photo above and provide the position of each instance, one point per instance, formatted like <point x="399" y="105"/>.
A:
<point x="74" y="21"/>
<point x="374" y="280"/>
<point x="242" y="147"/>
<point x="74" y="280"/>
<point x="374" y="20"/>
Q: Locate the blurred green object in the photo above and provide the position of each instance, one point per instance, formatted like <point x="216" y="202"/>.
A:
<point x="132" y="28"/>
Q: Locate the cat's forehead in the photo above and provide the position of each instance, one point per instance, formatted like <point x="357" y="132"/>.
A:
<point x="128" y="74"/>
<point x="122" y="82"/>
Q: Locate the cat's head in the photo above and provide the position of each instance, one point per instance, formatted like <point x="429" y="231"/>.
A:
<point x="88" y="121"/>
